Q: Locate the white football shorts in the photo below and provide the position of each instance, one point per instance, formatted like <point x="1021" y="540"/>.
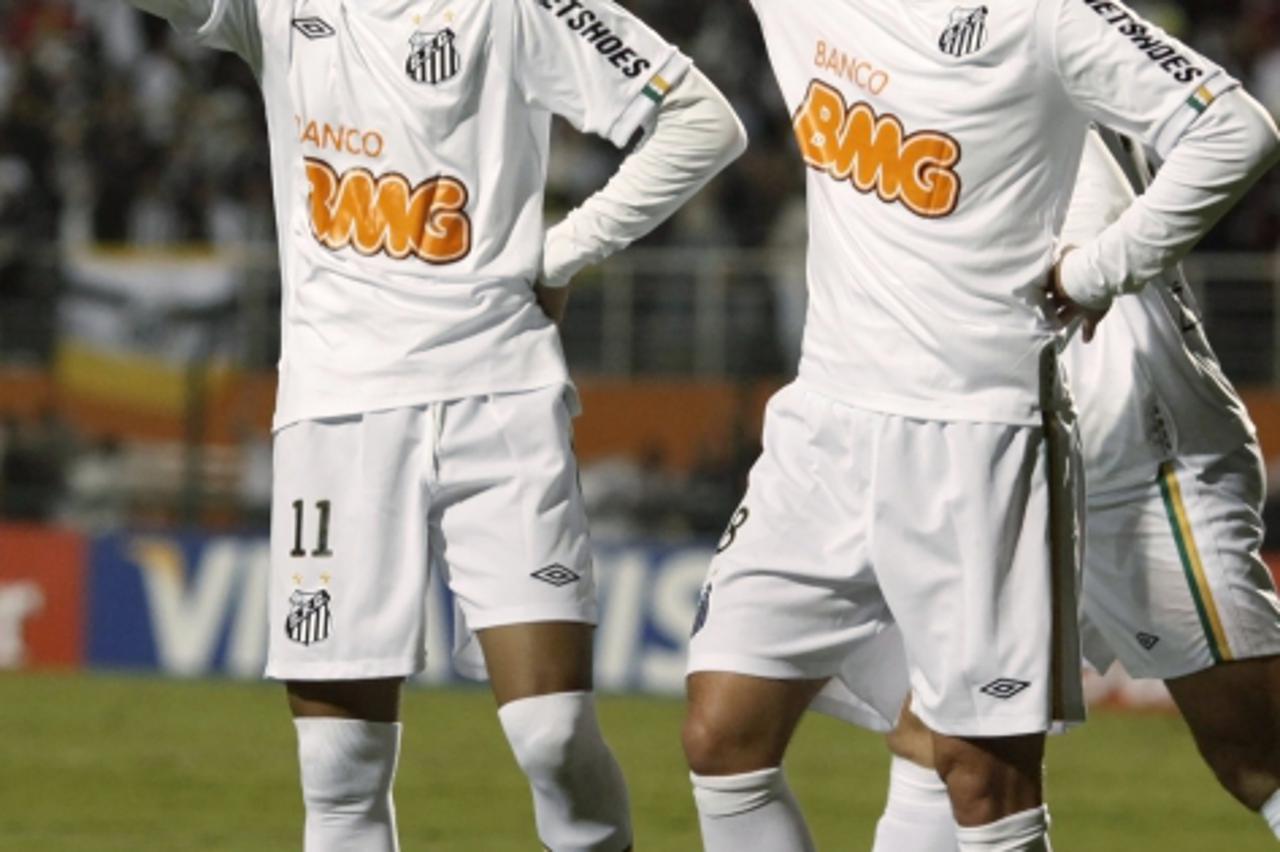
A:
<point x="482" y="489"/>
<point x="1173" y="580"/>
<point x="859" y="525"/>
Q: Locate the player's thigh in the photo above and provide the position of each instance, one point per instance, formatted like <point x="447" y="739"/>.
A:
<point x="370" y="700"/>
<point x="1232" y="710"/>
<point x="538" y="658"/>
<point x="1175" y="582"/>
<point x="511" y="533"/>
<point x="348" y="543"/>
<point x="975" y="552"/>
<point x="1235" y="701"/>
<point x="789" y="596"/>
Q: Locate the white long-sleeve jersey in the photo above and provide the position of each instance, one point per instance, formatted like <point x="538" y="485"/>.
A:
<point x="942" y="140"/>
<point x="1148" y="385"/>
<point x="409" y="145"/>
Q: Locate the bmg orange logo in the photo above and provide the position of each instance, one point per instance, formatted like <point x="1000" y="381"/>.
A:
<point x="387" y="215"/>
<point x="875" y="153"/>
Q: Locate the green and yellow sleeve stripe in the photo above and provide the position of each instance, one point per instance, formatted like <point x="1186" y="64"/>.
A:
<point x="656" y="89"/>
<point x="1201" y="98"/>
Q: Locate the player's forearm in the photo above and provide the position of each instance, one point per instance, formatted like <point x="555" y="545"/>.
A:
<point x="696" y="134"/>
<point x="1100" y="197"/>
<point x="1216" y="160"/>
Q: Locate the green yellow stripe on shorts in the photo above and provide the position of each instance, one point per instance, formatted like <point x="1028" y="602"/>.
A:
<point x="1200" y="99"/>
<point x="656" y="89"/>
<point x="1189" y="554"/>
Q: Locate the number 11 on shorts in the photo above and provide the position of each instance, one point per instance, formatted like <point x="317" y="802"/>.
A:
<point x="322" y="538"/>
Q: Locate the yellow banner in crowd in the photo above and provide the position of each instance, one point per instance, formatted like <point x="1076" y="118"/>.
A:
<point x="146" y="330"/>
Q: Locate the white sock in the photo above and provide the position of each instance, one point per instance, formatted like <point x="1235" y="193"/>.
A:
<point x="917" y="815"/>
<point x="347" y="769"/>
<point x="753" y="810"/>
<point x="1025" y="831"/>
<point x="1270" y="811"/>
<point x="579" y="795"/>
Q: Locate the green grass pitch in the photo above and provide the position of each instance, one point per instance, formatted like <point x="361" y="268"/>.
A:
<point x="98" y="764"/>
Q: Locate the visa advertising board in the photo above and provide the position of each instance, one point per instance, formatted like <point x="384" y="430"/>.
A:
<point x="192" y="605"/>
<point x="195" y="605"/>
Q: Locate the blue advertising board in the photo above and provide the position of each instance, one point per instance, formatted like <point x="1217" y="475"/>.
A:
<point x="194" y="605"/>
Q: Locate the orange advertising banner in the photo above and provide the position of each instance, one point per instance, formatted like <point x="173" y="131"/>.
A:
<point x="42" y="597"/>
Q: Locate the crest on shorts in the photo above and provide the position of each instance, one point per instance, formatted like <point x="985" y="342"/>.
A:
<point x="704" y="606"/>
<point x="433" y="57"/>
<point x="966" y="32"/>
<point x="309" y="618"/>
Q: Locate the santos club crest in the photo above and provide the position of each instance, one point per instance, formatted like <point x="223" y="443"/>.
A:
<point x="966" y="32"/>
<point x="433" y="57"/>
<point x="309" y="618"/>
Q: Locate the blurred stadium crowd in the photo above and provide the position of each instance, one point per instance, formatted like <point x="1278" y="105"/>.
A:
<point x="114" y="130"/>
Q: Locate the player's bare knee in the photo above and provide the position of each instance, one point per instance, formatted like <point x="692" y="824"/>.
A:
<point x="714" y="745"/>
<point x="699" y="741"/>
<point x="991" y="778"/>
<point x="976" y="793"/>
<point x="1249" y="771"/>
<point x="1229" y="709"/>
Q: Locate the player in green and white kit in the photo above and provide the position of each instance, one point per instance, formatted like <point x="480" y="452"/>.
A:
<point x="1174" y="585"/>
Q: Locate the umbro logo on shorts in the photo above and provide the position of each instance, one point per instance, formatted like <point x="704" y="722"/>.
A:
<point x="314" y="28"/>
<point x="1147" y="640"/>
<point x="1004" y="687"/>
<point x="556" y="575"/>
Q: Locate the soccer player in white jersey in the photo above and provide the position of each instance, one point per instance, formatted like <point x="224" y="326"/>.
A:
<point x="914" y="475"/>
<point x="1174" y="585"/>
<point x="423" y="414"/>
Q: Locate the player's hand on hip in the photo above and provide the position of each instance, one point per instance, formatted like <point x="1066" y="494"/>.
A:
<point x="552" y="300"/>
<point x="1067" y="312"/>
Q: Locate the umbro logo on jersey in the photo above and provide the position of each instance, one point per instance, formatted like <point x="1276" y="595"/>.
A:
<point x="433" y="57"/>
<point x="966" y="32"/>
<point x="1004" y="687"/>
<point x="1147" y="640"/>
<point x="314" y="28"/>
<point x="556" y="575"/>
